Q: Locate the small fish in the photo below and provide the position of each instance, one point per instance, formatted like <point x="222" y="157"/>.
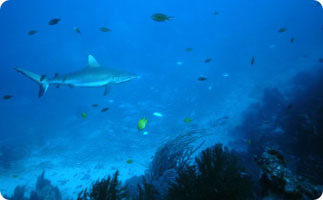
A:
<point x="105" y="29"/>
<point x="160" y="17"/>
<point x="129" y="161"/>
<point x="252" y="60"/>
<point x="95" y="105"/>
<point x="249" y="141"/>
<point x="54" y="21"/>
<point x="282" y="30"/>
<point x="290" y="106"/>
<point x="7" y="97"/>
<point x="15" y="176"/>
<point x="215" y="13"/>
<point x="188" y="120"/>
<point x="77" y="30"/>
<point x="32" y="32"/>
<point x="83" y="115"/>
<point x="157" y="114"/>
<point x="42" y="77"/>
<point x="292" y="40"/>
<point x="321" y="60"/>
<point x="104" y="109"/>
<point x="179" y="63"/>
<point x="202" y="78"/>
<point x="142" y="123"/>
<point x="188" y="49"/>
<point x="145" y="133"/>
<point x="207" y="60"/>
<point x="225" y="75"/>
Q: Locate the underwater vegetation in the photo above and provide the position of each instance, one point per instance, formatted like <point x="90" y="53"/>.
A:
<point x="108" y="188"/>
<point x="171" y="157"/>
<point x="216" y="174"/>
<point x="44" y="190"/>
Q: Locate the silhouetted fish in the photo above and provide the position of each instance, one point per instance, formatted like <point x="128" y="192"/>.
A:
<point x="208" y="60"/>
<point x="188" y="49"/>
<point x="321" y="60"/>
<point x="282" y="30"/>
<point x="160" y="17"/>
<point x="77" y="30"/>
<point x="202" y="78"/>
<point x="32" y="32"/>
<point x="95" y="105"/>
<point x="105" y="29"/>
<point x="54" y="21"/>
<point x="252" y="60"/>
<point x="292" y="40"/>
<point x="7" y="97"/>
<point x="104" y="109"/>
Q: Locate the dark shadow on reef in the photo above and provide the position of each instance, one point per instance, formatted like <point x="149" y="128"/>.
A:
<point x="291" y="122"/>
<point x="283" y="158"/>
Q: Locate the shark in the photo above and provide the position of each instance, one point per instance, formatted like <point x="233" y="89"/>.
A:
<point x="93" y="75"/>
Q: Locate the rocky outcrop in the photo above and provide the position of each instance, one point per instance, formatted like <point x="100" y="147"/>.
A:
<point x="279" y="182"/>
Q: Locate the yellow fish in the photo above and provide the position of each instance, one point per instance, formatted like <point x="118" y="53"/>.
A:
<point x="84" y="115"/>
<point x="188" y="120"/>
<point x="142" y="123"/>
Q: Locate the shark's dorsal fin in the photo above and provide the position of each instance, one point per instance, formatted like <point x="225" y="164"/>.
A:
<point x="93" y="62"/>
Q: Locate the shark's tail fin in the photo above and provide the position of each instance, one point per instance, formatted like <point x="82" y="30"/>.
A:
<point x="39" y="79"/>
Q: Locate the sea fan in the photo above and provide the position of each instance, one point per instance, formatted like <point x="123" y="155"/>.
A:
<point x="216" y="175"/>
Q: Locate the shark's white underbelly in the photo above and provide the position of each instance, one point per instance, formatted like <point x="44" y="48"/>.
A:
<point x="91" y="84"/>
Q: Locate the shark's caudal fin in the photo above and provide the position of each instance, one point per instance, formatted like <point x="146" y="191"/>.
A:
<point x="39" y="79"/>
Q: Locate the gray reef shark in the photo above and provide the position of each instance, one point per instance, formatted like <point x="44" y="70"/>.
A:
<point x="93" y="75"/>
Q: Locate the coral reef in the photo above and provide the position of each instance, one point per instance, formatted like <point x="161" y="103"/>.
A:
<point x="279" y="182"/>
<point x="19" y="193"/>
<point x="215" y="175"/>
<point x="44" y="191"/>
<point x="174" y="155"/>
<point x="105" y="189"/>
<point x="291" y="121"/>
<point x="147" y="192"/>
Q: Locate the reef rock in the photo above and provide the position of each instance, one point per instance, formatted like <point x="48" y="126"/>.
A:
<point x="45" y="190"/>
<point x="279" y="182"/>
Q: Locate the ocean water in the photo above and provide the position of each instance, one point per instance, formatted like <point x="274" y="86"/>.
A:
<point x="75" y="143"/>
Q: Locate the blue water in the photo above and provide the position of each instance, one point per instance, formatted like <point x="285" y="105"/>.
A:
<point x="49" y="133"/>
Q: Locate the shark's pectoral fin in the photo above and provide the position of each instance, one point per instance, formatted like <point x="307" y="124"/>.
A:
<point x="42" y="90"/>
<point x="106" y="90"/>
